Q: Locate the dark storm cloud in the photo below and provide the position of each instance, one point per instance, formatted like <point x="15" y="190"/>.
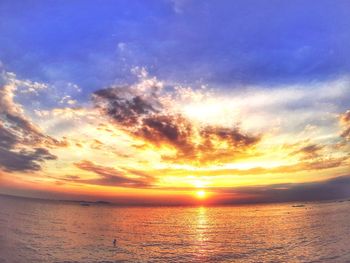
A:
<point x="334" y="188"/>
<point x="147" y="119"/>
<point x="111" y="177"/>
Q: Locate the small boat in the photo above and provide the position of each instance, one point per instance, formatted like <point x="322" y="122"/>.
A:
<point x="298" y="205"/>
<point x="84" y="204"/>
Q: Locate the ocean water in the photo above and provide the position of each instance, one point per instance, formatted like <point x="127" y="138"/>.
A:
<point x="45" y="231"/>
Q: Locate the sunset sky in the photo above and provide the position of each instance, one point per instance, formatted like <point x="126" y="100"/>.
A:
<point x="175" y="101"/>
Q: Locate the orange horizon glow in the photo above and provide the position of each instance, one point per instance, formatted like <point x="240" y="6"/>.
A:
<point x="187" y="144"/>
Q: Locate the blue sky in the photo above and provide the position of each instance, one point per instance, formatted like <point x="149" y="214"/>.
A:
<point x="224" y="43"/>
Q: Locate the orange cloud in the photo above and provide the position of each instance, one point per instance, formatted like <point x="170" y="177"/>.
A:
<point x="345" y="122"/>
<point x="108" y="176"/>
<point x="146" y="118"/>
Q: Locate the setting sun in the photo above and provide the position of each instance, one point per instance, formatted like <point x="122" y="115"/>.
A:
<point x="201" y="194"/>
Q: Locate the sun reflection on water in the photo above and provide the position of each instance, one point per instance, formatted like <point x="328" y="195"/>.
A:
<point x="201" y="231"/>
<point x="174" y="234"/>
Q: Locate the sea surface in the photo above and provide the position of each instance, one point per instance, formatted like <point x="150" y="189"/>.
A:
<point x="47" y="231"/>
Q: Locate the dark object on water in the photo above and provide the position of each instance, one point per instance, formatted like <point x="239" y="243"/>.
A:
<point x="114" y="242"/>
<point x="84" y="204"/>
<point x="102" y="203"/>
<point x="298" y="205"/>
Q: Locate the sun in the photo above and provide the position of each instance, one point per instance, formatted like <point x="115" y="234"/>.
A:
<point x="201" y="194"/>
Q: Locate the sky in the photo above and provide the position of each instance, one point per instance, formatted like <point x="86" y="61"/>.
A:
<point x="175" y="101"/>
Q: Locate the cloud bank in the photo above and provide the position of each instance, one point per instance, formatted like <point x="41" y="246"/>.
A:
<point x="22" y="144"/>
<point x="152" y="136"/>
<point x="144" y="114"/>
<point x="335" y="188"/>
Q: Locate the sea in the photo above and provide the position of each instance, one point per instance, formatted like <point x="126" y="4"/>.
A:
<point x="58" y="231"/>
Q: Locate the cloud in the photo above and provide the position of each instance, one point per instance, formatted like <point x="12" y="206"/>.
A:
<point x="111" y="177"/>
<point x="145" y="112"/>
<point x="21" y="142"/>
<point x="7" y="139"/>
<point x="123" y="110"/>
<point x="345" y="122"/>
<point x="319" y="164"/>
<point x="310" y="151"/>
<point x="335" y="188"/>
<point x="24" y="160"/>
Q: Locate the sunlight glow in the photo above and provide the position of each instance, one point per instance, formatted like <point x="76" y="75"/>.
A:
<point x="201" y="194"/>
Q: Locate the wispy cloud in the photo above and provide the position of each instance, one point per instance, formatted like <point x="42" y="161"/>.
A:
<point x="345" y="122"/>
<point x="310" y="151"/>
<point x="108" y="176"/>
